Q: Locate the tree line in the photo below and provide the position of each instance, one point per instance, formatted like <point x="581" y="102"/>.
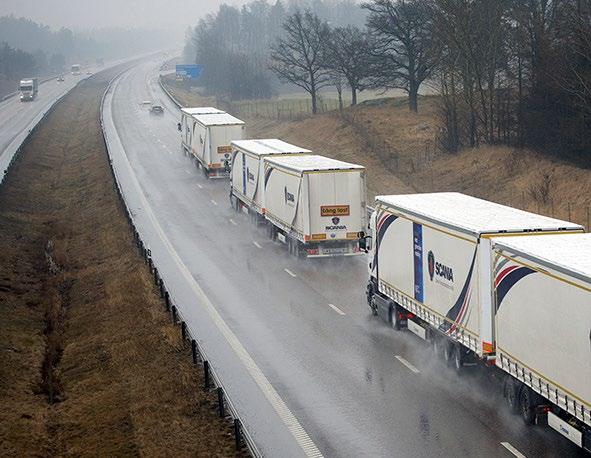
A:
<point x="514" y="72"/>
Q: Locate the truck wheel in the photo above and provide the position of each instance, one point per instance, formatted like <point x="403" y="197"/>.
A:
<point x="437" y="344"/>
<point x="527" y="408"/>
<point x="394" y="319"/>
<point x="205" y="172"/>
<point x="272" y="232"/>
<point x="510" y="394"/>
<point x="458" y="357"/>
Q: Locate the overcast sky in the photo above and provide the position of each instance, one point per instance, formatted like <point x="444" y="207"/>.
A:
<point x="85" y="14"/>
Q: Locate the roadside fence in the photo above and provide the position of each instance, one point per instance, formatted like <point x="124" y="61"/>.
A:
<point x="212" y="383"/>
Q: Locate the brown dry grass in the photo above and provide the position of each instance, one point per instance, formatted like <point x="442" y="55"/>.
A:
<point x="399" y="150"/>
<point x="123" y="382"/>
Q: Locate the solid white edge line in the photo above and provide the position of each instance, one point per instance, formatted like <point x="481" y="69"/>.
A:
<point x="288" y="418"/>
<point x="407" y="364"/>
<point x="336" y="309"/>
<point x="257" y="244"/>
<point x="513" y="450"/>
<point x="290" y="272"/>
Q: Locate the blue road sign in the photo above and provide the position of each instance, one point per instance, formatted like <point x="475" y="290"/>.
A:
<point x="190" y="71"/>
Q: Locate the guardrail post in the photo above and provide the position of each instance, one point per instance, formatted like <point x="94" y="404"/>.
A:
<point x="237" y="433"/>
<point x="155" y="273"/>
<point x="161" y="284"/>
<point x="150" y="263"/>
<point x="194" y="351"/>
<point x="183" y="331"/>
<point x="206" y="375"/>
<point x="167" y="301"/>
<point x="221" y="402"/>
<point x="174" y="314"/>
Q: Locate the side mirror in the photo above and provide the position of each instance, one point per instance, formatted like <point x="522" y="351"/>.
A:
<point x="178" y="126"/>
<point x="365" y="243"/>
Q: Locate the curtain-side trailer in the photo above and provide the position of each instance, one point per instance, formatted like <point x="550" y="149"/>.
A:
<point x="187" y="124"/>
<point x="314" y="204"/>
<point x="211" y="135"/>
<point x="430" y="266"/>
<point x="248" y="172"/>
<point x="542" y="303"/>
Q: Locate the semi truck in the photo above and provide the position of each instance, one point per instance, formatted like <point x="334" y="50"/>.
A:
<point x="76" y="69"/>
<point x="455" y="271"/>
<point x="314" y="204"/>
<point x="209" y="140"/>
<point x="187" y="124"/>
<point x="542" y="306"/>
<point x="248" y="172"/>
<point x="28" y="89"/>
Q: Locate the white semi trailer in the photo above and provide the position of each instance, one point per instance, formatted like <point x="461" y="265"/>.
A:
<point x="76" y="69"/>
<point x="314" y="204"/>
<point x="438" y="267"/>
<point x="542" y="305"/>
<point x="28" y="89"/>
<point x="209" y="140"/>
<point x="248" y="172"/>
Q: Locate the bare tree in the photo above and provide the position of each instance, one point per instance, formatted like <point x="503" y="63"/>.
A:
<point x="299" y="56"/>
<point x="404" y="52"/>
<point x="348" y="56"/>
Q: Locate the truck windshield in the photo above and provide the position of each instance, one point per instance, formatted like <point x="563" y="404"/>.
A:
<point x="26" y="88"/>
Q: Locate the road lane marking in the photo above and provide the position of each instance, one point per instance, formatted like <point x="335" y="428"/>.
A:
<point x="290" y="273"/>
<point x="407" y="364"/>
<point x="287" y="417"/>
<point x="513" y="450"/>
<point x="336" y="309"/>
<point x="199" y="186"/>
<point x="214" y="202"/>
<point x="233" y="222"/>
<point x="257" y="245"/>
<point x="187" y="172"/>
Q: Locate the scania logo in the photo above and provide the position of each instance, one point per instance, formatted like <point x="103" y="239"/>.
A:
<point x="289" y="197"/>
<point x="335" y="220"/>
<point x="431" y="261"/>
<point x="439" y="269"/>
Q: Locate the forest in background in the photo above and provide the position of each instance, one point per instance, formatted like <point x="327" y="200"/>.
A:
<point x="510" y="72"/>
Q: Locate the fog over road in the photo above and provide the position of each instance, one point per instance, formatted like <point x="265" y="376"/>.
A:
<point x="357" y="387"/>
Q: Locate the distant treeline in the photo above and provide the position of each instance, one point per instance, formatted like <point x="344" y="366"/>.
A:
<point x="234" y="45"/>
<point x="515" y="72"/>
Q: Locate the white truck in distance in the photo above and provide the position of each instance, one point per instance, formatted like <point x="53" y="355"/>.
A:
<point x="248" y="172"/>
<point x="542" y="304"/>
<point x="207" y="136"/>
<point x="28" y="89"/>
<point x="435" y="268"/>
<point x="76" y="69"/>
<point x="314" y="204"/>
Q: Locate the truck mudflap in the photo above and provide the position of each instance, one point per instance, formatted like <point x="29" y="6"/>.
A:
<point x="579" y="437"/>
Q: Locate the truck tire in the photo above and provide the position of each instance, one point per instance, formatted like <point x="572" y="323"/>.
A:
<point x="447" y="352"/>
<point x="437" y="344"/>
<point x="527" y="407"/>
<point x="394" y="320"/>
<point x="510" y="391"/>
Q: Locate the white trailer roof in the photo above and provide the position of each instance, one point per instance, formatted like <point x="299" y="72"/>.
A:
<point x="201" y="110"/>
<point x="217" y="119"/>
<point x="268" y="146"/>
<point x="472" y="215"/>
<point x="311" y="163"/>
<point x="569" y="253"/>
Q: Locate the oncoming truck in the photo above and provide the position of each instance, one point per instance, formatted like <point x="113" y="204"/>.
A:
<point x="314" y="204"/>
<point x="459" y="272"/>
<point x="248" y="172"/>
<point x="28" y="89"/>
<point x="75" y="69"/>
<point x="209" y="140"/>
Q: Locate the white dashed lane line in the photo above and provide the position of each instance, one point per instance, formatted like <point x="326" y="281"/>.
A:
<point x="257" y="244"/>
<point x="213" y="202"/>
<point x="336" y="309"/>
<point x="199" y="186"/>
<point x="407" y="364"/>
<point x="513" y="450"/>
<point x="187" y="172"/>
<point x="290" y="273"/>
<point x="233" y="222"/>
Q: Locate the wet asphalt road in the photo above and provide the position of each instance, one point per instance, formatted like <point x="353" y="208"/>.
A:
<point x="357" y="387"/>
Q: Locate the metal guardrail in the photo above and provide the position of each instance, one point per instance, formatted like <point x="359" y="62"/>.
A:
<point x="167" y="92"/>
<point x="212" y="381"/>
